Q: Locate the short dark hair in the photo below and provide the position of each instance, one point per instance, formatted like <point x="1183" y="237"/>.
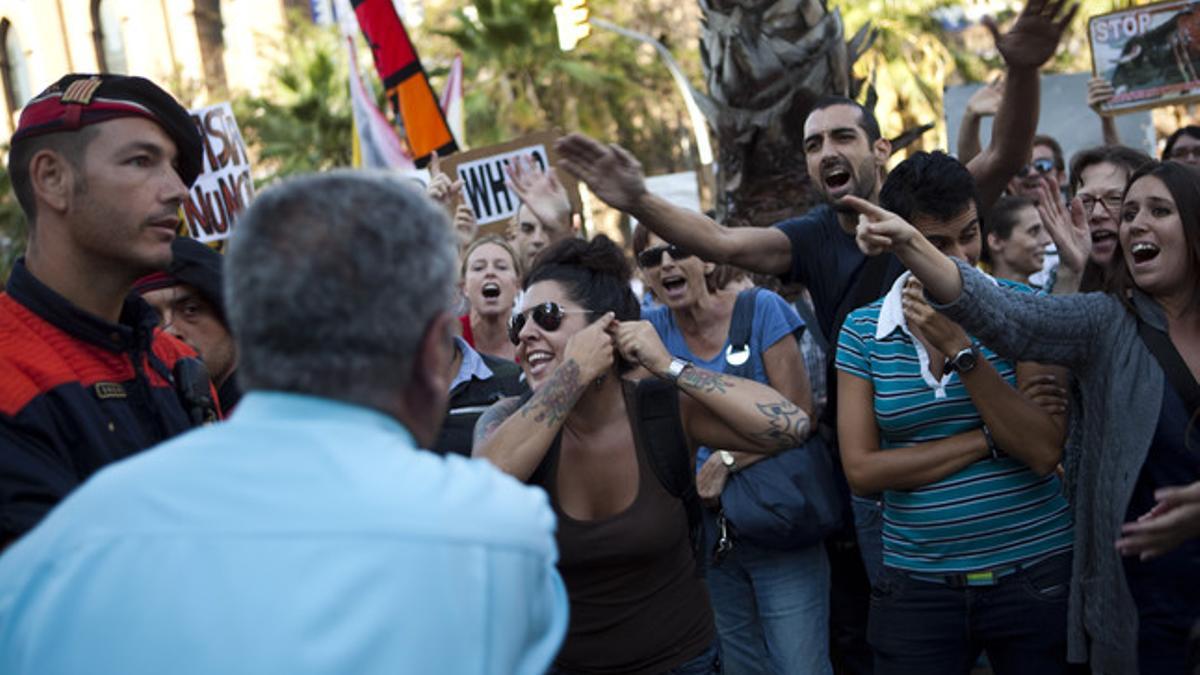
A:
<point x="1001" y="220"/>
<point x="866" y="122"/>
<point x="1120" y="155"/>
<point x="72" y="145"/>
<point x="1183" y="182"/>
<point x="1189" y="130"/>
<point x="933" y="184"/>
<point x="1055" y="149"/>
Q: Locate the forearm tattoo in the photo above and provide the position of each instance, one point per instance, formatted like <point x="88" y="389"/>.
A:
<point x="552" y="403"/>
<point x="493" y="417"/>
<point x="787" y="424"/>
<point x="704" y="380"/>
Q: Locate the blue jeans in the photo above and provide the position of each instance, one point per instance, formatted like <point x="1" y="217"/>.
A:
<point x="868" y="525"/>
<point x="772" y="610"/>
<point x="920" y="626"/>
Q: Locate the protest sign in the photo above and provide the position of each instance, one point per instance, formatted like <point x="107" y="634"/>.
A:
<point x="484" y="181"/>
<point x="225" y="188"/>
<point x="1150" y="54"/>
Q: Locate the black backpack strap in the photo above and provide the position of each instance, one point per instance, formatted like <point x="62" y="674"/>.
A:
<point x="654" y="405"/>
<point x="741" y="326"/>
<point x="1173" y="365"/>
<point x="866" y="290"/>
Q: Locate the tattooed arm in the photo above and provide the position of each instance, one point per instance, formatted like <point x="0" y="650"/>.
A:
<point x="516" y="437"/>
<point x="720" y="411"/>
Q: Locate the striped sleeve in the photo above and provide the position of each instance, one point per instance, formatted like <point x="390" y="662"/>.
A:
<point x="852" y="347"/>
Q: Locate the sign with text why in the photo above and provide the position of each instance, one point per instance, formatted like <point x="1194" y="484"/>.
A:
<point x="485" y="186"/>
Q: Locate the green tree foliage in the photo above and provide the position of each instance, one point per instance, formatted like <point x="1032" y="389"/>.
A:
<point x="12" y="225"/>
<point x="517" y="80"/>
<point x="303" y="121"/>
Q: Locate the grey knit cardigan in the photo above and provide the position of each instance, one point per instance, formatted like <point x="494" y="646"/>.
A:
<point x="1116" y="397"/>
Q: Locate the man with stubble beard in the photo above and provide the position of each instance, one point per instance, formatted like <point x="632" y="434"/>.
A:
<point x="845" y="154"/>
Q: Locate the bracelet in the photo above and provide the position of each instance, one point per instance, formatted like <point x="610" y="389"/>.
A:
<point x="991" y="443"/>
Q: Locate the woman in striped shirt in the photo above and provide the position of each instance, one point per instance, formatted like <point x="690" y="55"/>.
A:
<point x="976" y="534"/>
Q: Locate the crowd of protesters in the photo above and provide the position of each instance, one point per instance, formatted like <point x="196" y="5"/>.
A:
<point x="969" y="437"/>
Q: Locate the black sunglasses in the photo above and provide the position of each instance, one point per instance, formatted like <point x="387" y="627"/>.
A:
<point x="652" y="257"/>
<point x="1041" y="165"/>
<point x="547" y="315"/>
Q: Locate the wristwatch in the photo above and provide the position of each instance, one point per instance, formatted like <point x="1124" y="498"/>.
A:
<point x="728" y="460"/>
<point x="964" y="361"/>
<point x="676" y="369"/>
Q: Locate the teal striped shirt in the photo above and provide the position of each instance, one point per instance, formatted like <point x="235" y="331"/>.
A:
<point x="991" y="514"/>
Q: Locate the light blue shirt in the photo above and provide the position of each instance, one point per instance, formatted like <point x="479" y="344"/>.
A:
<point x="472" y="365"/>
<point x="302" y="536"/>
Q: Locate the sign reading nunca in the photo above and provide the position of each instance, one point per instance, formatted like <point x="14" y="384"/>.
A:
<point x="485" y="188"/>
<point x="225" y="188"/>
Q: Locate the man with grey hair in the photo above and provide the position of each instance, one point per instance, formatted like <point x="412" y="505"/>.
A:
<point x="308" y="534"/>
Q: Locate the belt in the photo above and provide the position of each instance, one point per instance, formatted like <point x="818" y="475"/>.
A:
<point x="987" y="577"/>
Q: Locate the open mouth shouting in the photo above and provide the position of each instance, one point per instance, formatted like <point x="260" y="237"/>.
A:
<point x="835" y="177"/>
<point x="490" y="290"/>
<point x="1104" y="242"/>
<point x="674" y="287"/>
<point x="1143" y="252"/>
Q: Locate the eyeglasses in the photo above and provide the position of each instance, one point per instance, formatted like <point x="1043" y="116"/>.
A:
<point x="652" y="257"/>
<point x="1192" y="152"/>
<point x="547" y="315"/>
<point x="1042" y="165"/>
<point x="1111" y="203"/>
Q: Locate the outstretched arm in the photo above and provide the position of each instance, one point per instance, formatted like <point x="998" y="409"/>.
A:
<point x="1030" y="42"/>
<point x="1020" y="326"/>
<point x="615" y="176"/>
<point x="720" y="411"/>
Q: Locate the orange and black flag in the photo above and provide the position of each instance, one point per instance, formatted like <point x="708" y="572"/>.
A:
<point x="405" y="80"/>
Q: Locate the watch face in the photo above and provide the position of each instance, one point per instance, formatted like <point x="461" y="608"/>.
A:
<point x="965" y="362"/>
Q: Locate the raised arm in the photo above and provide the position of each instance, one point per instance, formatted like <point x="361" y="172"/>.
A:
<point x="1030" y="42"/>
<point x="720" y="411"/>
<point x="1099" y="91"/>
<point x="983" y="103"/>
<point x="516" y="437"/>
<point x="615" y="176"/>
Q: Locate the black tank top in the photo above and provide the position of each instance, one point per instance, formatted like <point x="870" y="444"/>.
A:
<point x="637" y="605"/>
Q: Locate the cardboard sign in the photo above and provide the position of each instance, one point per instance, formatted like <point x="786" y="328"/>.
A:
<point x="1150" y="54"/>
<point x="225" y="188"/>
<point x="485" y="187"/>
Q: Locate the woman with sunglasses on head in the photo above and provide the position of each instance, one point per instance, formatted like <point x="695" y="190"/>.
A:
<point x="625" y="539"/>
<point x="1133" y="456"/>
<point x="491" y="276"/>
<point x="772" y="605"/>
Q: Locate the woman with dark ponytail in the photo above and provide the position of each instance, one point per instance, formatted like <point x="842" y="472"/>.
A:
<point x="608" y="435"/>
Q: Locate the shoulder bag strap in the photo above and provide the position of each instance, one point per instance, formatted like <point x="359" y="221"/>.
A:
<point x="1173" y="365"/>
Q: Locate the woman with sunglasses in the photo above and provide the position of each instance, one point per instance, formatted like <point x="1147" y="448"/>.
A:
<point x="637" y="604"/>
<point x="1133" y="455"/>
<point x="772" y="605"/>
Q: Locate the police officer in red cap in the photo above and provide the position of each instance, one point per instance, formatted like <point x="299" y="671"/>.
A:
<point x="100" y="165"/>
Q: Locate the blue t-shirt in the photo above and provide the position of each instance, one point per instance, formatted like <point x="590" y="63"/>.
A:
<point x="990" y="514"/>
<point x="826" y="259"/>
<point x="774" y="319"/>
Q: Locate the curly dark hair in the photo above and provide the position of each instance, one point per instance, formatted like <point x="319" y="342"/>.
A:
<point x="931" y="184"/>
<point x="595" y="273"/>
